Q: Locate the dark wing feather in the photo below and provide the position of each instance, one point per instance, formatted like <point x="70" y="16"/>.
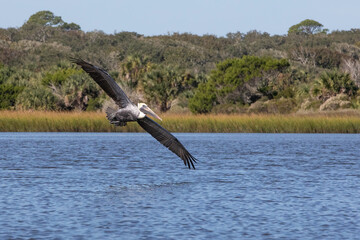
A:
<point x="167" y="139"/>
<point x="106" y="82"/>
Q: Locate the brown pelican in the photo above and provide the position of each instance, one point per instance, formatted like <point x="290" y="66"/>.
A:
<point x="129" y="112"/>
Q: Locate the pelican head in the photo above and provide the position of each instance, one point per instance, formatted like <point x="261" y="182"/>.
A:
<point x="146" y="110"/>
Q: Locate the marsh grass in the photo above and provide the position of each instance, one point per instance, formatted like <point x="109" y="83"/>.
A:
<point x="37" y="121"/>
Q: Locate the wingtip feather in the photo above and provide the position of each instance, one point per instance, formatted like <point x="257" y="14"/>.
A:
<point x="189" y="161"/>
<point x="75" y="60"/>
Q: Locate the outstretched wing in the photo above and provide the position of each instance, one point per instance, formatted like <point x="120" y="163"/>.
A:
<point x="106" y="82"/>
<point x="167" y="139"/>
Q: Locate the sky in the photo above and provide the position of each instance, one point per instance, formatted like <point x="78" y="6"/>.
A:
<point x="162" y="17"/>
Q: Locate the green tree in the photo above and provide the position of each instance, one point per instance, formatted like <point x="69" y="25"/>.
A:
<point x="307" y="26"/>
<point x="36" y="98"/>
<point x="8" y="90"/>
<point x="70" y="26"/>
<point x="71" y="86"/>
<point x="8" y="95"/>
<point x="133" y="68"/>
<point x="162" y="85"/>
<point x="327" y="58"/>
<point x="238" y="81"/>
<point x="5" y="73"/>
<point x="40" y="24"/>
<point x="204" y="98"/>
<point x="331" y="83"/>
<point x="45" y="18"/>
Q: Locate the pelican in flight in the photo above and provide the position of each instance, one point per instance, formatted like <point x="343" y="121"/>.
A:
<point x="129" y="112"/>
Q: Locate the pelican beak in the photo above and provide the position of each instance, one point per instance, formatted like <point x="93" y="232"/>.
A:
<point x="147" y="110"/>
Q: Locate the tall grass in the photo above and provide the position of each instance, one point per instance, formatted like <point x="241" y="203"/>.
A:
<point x="36" y="121"/>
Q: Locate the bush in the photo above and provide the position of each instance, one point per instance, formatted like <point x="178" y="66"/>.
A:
<point x="204" y="98"/>
<point x="327" y="58"/>
<point x="8" y="95"/>
<point x="72" y="87"/>
<point x="331" y="83"/>
<point x="275" y="106"/>
<point x="36" y="98"/>
<point x="237" y="81"/>
<point x="94" y="104"/>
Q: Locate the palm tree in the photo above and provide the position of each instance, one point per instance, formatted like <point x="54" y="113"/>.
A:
<point x="133" y="68"/>
<point x="162" y="85"/>
<point x="71" y="87"/>
<point x="331" y="83"/>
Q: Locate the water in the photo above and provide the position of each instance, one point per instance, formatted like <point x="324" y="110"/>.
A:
<point x="127" y="186"/>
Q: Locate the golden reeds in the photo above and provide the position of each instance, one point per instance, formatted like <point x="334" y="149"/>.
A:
<point x="38" y="121"/>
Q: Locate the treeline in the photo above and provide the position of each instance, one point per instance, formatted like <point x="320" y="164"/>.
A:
<point x="307" y="69"/>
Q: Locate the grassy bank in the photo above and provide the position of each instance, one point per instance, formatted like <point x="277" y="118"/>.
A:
<point x="337" y="122"/>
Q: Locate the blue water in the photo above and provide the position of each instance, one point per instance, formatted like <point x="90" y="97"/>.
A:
<point x="127" y="186"/>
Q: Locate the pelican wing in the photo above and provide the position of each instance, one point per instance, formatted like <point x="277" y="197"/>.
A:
<point x="106" y="82"/>
<point x="167" y="139"/>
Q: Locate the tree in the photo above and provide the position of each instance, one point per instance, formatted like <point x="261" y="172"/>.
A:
<point x="70" y="26"/>
<point x="45" y="18"/>
<point x="8" y="90"/>
<point x="352" y="67"/>
<point x="307" y="27"/>
<point x="237" y="81"/>
<point x="5" y="73"/>
<point x="71" y="86"/>
<point x="36" y="98"/>
<point x="133" y="69"/>
<point x="204" y="98"/>
<point x="162" y="85"/>
<point x="40" y="24"/>
<point x="331" y="83"/>
<point x="320" y="57"/>
<point x="8" y="95"/>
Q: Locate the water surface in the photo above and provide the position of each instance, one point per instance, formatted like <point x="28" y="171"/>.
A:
<point x="128" y="186"/>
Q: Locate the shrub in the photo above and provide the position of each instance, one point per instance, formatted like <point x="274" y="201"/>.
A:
<point x="204" y="98"/>
<point x="331" y="83"/>
<point x="8" y="95"/>
<point x="237" y="81"/>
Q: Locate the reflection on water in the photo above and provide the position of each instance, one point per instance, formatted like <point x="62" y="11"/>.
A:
<point x="128" y="186"/>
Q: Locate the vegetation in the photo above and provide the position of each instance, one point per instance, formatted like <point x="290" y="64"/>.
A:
<point x="307" y="26"/>
<point x="332" y="83"/>
<point x="30" y="121"/>
<point x="239" y="81"/>
<point x="309" y="69"/>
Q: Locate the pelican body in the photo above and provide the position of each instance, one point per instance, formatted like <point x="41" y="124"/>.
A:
<point x="129" y="112"/>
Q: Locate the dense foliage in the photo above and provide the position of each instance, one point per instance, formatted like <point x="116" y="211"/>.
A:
<point x="307" y="26"/>
<point x="242" y="72"/>
<point x="239" y="81"/>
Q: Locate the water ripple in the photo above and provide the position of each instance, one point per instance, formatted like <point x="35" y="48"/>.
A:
<point x="252" y="186"/>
